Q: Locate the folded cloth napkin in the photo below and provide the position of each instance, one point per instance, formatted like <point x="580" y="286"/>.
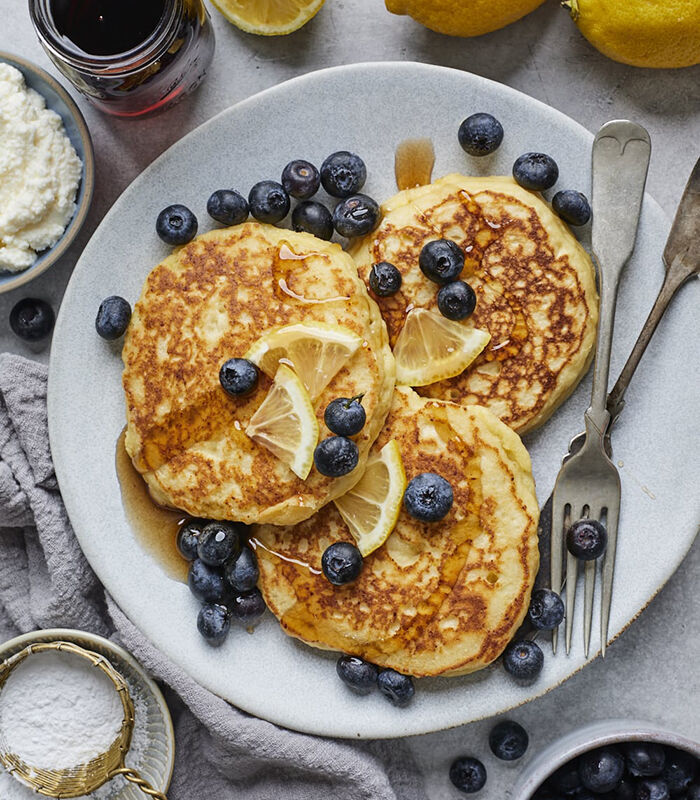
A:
<point x="45" y="581"/>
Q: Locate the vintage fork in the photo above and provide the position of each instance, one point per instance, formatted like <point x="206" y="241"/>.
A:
<point x="588" y="484"/>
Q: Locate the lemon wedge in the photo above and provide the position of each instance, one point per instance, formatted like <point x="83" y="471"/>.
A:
<point x="285" y="423"/>
<point x="431" y="348"/>
<point x="370" y="509"/>
<point x="315" y="350"/>
<point x="268" y="17"/>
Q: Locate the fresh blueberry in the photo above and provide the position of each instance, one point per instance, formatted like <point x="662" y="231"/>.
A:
<point x="176" y="225"/>
<point x="508" y="740"/>
<point x="188" y="537"/>
<point x="428" y="497"/>
<point x="301" y="179"/>
<point x="238" y="376"/>
<point x="523" y="660"/>
<point x="32" y="319"/>
<point x="207" y="583"/>
<point x="546" y="609"/>
<point x="336" y="456"/>
<point x="219" y="542"/>
<point x="572" y="206"/>
<point x="601" y="770"/>
<point x="586" y="539"/>
<point x="397" y="687"/>
<point x="343" y="174"/>
<point x="456" y="300"/>
<point x="113" y="317"/>
<point x="384" y="279"/>
<point x="356" y="216"/>
<point x="213" y="622"/>
<point x="341" y="563"/>
<point x="624" y="790"/>
<point x="536" y="171"/>
<point x="566" y="779"/>
<point x="247" y="608"/>
<point x="679" y="770"/>
<point x="314" y="218"/>
<point x="228" y="207"/>
<point x="441" y="261"/>
<point x="651" y="789"/>
<point x="242" y="572"/>
<point x="345" y="416"/>
<point x="644" y="759"/>
<point x="480" y="134"/>
<point x="358" y="674"/>
<point x="468" y="774"/>
<point x="268" y="201"/>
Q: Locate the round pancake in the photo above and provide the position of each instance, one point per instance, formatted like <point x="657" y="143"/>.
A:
<point x="208" y="302"/>
<point x="436" y="598"/>
<point x="535" y="288"/>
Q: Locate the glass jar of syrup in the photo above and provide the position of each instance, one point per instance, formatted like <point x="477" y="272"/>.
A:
<point x="128" y="57"/>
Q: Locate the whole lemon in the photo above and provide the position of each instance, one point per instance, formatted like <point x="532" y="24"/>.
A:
<point x="464" y="17"/>
<point x="643" y="33"/>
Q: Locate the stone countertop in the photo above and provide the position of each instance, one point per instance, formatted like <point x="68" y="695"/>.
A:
<point x="651" y="671"/>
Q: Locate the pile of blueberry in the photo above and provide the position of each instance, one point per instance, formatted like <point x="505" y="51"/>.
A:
<point x="628" y="771"/>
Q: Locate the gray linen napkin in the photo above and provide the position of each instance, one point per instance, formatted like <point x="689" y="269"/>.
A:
<point x="45" y="581"/>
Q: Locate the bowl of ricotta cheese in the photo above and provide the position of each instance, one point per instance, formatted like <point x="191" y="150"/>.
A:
<point x="47" y="171"/>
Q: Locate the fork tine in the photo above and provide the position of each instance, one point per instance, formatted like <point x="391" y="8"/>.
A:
<point x="589" y="587"/>
<point x="608" y="573"/>
<point x="571" y="580"/>
<point x="556" y="545"/>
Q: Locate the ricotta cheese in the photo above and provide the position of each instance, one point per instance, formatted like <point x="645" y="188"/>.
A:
<point x="39" y="173"/>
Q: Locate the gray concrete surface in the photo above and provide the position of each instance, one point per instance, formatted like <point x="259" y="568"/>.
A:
<point x="651" y="672"/>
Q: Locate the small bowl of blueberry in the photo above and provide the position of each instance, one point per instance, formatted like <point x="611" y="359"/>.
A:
<point x="615" y="760"/>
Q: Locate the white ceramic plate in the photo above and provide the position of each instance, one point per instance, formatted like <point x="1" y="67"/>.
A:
<point x="369" y="109"/>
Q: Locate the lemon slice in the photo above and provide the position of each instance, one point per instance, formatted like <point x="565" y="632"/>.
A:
<point x="285" y="423"/>
<point x="370" y="509"/>
<point x="431" y="348"/>
<point x="315" y="350"/>
<point x="268" y="17"/>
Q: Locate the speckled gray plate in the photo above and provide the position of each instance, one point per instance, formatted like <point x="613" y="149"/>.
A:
<point x="367" y="108"/>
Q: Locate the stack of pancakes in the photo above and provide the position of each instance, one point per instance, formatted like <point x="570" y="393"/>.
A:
<point x="436" y="598"/>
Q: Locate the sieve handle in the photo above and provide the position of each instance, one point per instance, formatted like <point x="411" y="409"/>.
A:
<point x="133" y="776"/>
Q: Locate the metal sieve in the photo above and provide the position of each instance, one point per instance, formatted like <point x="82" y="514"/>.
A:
<point x="83" y="778"/>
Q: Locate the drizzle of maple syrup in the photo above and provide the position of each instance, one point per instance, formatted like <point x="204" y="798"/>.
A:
<point x="283" y="274"/>
<point x="255" y="543"/>
<point x="413" y="163"/>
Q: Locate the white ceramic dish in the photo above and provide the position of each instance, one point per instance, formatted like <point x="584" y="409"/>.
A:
<point x="370" y="109"/>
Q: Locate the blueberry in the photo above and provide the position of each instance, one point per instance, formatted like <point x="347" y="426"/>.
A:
<point x="228" y="207"/>
<point x="343" y="174"/>
<point x="358" y="674"/>
<point x="508" y="740"/>
<point x="428" y="497"/>
<point x="546" y="609"/>
<point x="176" y="225"/>
<point x="341" y="563"/>
<point x="651" y="789"/>
<point x="356" y="216"/>
<point x="693" y="792"/>
<point x="624" y="790"/>
<point x="456" y="300"/>
<point x="396" y="687"/>
<point x="345" y="416"/>
<point x="523" y="660"/>
<point x="207" y="583"/>
<point x="32" y="319"/>
<point x="301" y="179"/>
<point x="679" y="770"/>
<point x="566" y="779"/>
<point x="219" y="542"/>
<point x="247" y="608"/>
<point x="314" y="218"/>
<point x="644" y="759"/>
<point x="536" y="171"/>
<point x="586" y="539"/>
<point x="242" y="572"/>
<point x="468" y="774"/>
<point x="113" y="317"/>
<point x="601" y="770"/>
<point x="188" y="536"/>
<point x="480" y="134"/>
<point x="572" y="206"/>
<point x="336" y="456"/>
<point x="268" y="201"/>
<point x="441" y="261"/>
<point x="213" y="622"/>
<point x="384" y="279"/>
<point x="238" y="376"/>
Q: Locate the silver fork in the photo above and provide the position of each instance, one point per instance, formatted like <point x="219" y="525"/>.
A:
<point x="588" y="484"/>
